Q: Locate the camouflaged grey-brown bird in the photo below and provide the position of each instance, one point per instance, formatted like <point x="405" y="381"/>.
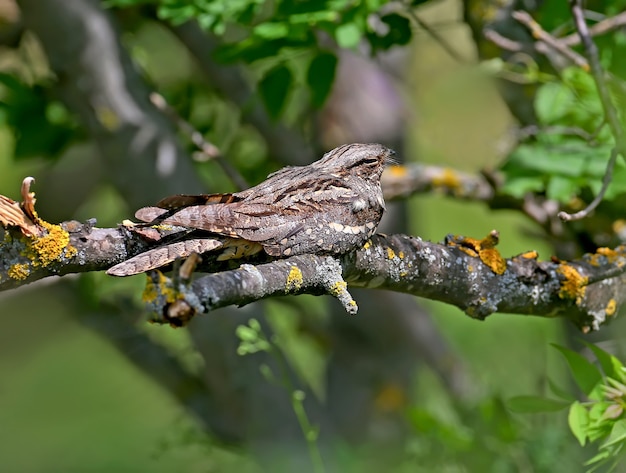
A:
<point x="331" y="206"/>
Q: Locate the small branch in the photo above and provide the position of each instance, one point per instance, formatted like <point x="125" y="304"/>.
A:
<point x="534" y="130"/>
<point x="177" y="304"/>
<point x="447" y="47"/>
<point x="606" y="181"/>
<point x="502" y="41"/>
<point x="540" y="34"/>
<point x="600" y="28"/>
<point x="211" y="151"/>
<point x="401" y="181"/>
<point x="598" y="75"/>
<point x="610" y="112"/>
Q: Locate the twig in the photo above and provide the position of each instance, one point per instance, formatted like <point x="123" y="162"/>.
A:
<point x="569" y="41"/>
<point x="606" y="181"/>
<point x="598" y="74"/>
<point x="502" y="41"/>
<point x="436" y="36"/>
<point x="600" y="28"/>
<point x="211" y="151"/>
<point x="534" y="130"/>
<point x="610" y="111"/>
<point x="540" y="34"/>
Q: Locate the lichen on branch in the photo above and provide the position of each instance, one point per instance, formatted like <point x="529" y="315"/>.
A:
<point x="466" y="272"/>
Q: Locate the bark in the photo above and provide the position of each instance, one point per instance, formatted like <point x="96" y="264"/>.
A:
<point x="587" y="291"/>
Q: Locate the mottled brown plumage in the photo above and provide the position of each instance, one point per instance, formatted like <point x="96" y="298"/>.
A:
<point x="331" y="206"/>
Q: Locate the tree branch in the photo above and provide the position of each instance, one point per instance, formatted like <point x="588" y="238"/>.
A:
<point x="402" y="181"/>
<point x="546" y="38"/>
<point x="98" y="81"/>
<point x="585" y="291"/>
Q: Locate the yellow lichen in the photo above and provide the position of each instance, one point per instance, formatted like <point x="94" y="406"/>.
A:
<point x="619" y="225"/>
<point x="162" y="226"/>
<point x="483" y="249"/>
<point x="608" y="252"/>
<point x="530" y="255"/>
<point x="602" y="256"/>
<point x="108" y="118"/>
<point x="492" y="258"/>
<point x="573" y="284"/>
<point x="401" y="254"/>
<point x="447" y="179"/>
<point x="468" y="251"/>
<point x="611" y="307"/>
<point x="338" y="288"/>
<point x="18" y="271"/>
<point x="390" y="253"/>
<point x="51" y="247"/>
<point x="294" y="278"/>
<point x="367" y="244"/>
<point x="390" y="398"/>
<point x="396" y="171"/>
<point x="159" y="288"/>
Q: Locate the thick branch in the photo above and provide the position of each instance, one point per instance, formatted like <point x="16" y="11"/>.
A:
<point x="586" y="291"/>
<point x="97" y="80"/>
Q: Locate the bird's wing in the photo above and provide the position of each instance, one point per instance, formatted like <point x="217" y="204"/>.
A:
<point x="163" y="255"/>
<point x="180" y="201"/>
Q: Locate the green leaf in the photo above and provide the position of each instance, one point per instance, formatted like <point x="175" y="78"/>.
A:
<point x="603" y="455"/>
<point x="400" y="32"/>
<point x="520" y="186"/>
<point x="561" y="188"/>
<point x="578" y="421"/>
<point x="581" y="81"/>
<point x="610" y="364"/>
<point x="254" y="325"/>
<point x="618" y="184"/>
<point x="249" y="50"/>
<point x="274" y="89"/>
<point x="247" y="334"/>
<point x="553" y="101"/>
<point x="560" y="392"/>
<point x="314" y="17"/>
<point x="618" y="434"/>
<point x="271" y="30"/>
<point x="568" y="158"/>
<point x="320" y="77"/>
<point x="586" y="375"/>
<point x="535" y="404"/>
<point x="348" y="35"/>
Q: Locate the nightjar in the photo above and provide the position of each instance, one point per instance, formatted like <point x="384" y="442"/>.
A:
<point x="331" y="206"/>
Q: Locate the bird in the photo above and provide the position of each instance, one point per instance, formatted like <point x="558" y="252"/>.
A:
<point x="329" y="207"/>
